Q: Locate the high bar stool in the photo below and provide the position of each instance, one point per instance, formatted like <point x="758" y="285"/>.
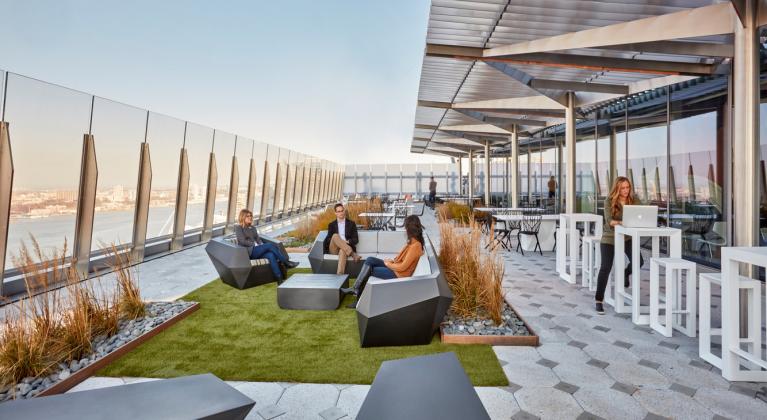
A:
<point x="675" y="312"/>
<point x="590" y="261"/>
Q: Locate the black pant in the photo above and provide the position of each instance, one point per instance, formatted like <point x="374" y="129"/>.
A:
<point x="607" y="256"/>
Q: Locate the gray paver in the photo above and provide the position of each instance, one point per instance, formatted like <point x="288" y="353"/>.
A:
<point x="625" y="388"/>
<point x="598" y="363"/>
<point x="548" y="363"/>
<point x="270" y="412"/>
<point x="566" y="387"/>
<point x="524" y="415"/>
<point x="649" y="364"/>
<point x="548" y="403"/>
<point x="631" y="373"/>
<point x="332" y="413"/>
<point x="498" y="403"/>
<point x="730" y="404"/>
<point x="686" y="390"/>
<point x="351" y="399"/>
<point x="303" y="400"/>
<point x="666" y="401"/>
<point x="263" y="393"/>
<point x="609" y="403"/>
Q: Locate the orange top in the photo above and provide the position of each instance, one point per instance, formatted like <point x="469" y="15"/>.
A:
<point x="405" y="262"/>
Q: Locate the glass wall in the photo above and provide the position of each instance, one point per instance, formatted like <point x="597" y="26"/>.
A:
<point x="697" y="162"/>
<point x="378" y="178"/>
<point x="393" y="182"/>
<point x="198" y="144"/>
<point x="118" y="131"/>
<point x="46" y="125"/>
<point x="646" y="148"/>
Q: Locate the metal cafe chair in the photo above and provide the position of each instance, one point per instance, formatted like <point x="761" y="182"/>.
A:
<point x="530" y="226"/>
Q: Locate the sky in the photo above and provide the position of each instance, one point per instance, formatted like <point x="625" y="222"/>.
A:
<point x="337" y="79"/>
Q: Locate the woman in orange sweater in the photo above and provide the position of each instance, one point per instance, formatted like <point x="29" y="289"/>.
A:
<point x="403" y="265"/>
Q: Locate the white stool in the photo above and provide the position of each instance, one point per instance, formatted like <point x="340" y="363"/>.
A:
<point x="753" y="293"/>
<point x="674" y="310"/>
<point x="590" y="261"/>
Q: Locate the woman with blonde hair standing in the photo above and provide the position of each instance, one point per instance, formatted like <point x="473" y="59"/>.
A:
<point x="622" y="194"/>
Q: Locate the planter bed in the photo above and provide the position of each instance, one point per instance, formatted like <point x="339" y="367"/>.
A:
<point x="131" y="334"/>
<point x="514" y="331"/>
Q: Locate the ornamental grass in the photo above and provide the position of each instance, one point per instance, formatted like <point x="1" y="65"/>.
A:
<point x="475" y="277"/>
<point x="52" y="324"/>
<point x="309" y="228"/>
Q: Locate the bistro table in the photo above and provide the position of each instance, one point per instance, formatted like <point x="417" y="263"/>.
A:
<point x="567" y="238"/>
<point x="545" y="234"/>
<point x="621" y="296"/>
<point x="733" y="355"/>
<point x="379" y="221"/>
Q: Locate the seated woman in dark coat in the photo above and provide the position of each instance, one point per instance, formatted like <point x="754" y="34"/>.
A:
<point x="247" y="236"/>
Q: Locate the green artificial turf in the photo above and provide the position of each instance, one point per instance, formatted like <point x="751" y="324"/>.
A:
<point x="242" y="335"/>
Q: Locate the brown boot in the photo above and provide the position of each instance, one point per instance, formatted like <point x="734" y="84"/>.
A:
<point x="356" y="257"/>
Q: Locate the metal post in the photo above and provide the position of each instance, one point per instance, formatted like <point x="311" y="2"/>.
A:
<point x="210" y="197"/>
<point x="276" y="201"/>
<point x="570" y="144"/>
<point x="231" y="210"/>
<point x="182" y="195"/>
<point x="613" y="158"/>
<point x="265" y="194"/>
<point x="6" y="190"/>
<point x="745" y="129"/>
<point x="487" y="173"/>
<point x="251" y="200"/>
<point x="514" y="170"/>
<point x="471" y="177"/>
<point x="86" y="202"/>
<point x="460" y="175"/>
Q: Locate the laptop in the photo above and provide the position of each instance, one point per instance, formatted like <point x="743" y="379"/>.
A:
<point x="640" y="216"/>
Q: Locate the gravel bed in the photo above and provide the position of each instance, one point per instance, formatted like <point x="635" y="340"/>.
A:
<point x="511" y="325"/>
<point x="157" y="313"/>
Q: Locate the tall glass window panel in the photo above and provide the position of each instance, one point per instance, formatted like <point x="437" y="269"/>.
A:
<point x="392" y="179"/>
<point x="243" y="151"/>
<point x="618" y="124"/>
<point x="697" y="162"/>
<point x="408" y="178"/>
<point x="763" y="142"/>
<point x="585" y="167"/>
<point x="523" y="176"/>
<point x="549" y="172"/>
<point x="647" y="142"/>
<point x="118" y="131"/>
<point x="603" y="178"/>
<point x="259" y="156"/>
<point x="378" y="178"/>
<point x="223" y="147"/>
<point x="198" y="144"/>
<point x="46" y="125"/>
<point x="165" y="136"/>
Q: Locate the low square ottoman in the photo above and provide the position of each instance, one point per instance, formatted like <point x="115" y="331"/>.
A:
<point x="312" y="291"/>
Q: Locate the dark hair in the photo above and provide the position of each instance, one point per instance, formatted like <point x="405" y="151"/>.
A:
<point x="414" y="229"/>
<point x="337" y="206"/>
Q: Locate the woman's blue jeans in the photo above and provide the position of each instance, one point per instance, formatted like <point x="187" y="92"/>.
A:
<point x="379" y="269"/>
<point x="271" y="253"/>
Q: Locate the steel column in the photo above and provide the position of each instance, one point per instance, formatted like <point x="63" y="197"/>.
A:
<point x="86" y="205"/>
<point x="141" y="214"/>
<point x="487" y="173"/>
<point x="264" y="193"/>
<point x="514" y="170"/>
<point x="570" y="144"/>
<point x="471" y="177"/>
<point x="251" y="200"/>
<point x="210" y="197"/>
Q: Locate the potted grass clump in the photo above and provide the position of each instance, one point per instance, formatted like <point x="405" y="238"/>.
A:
<point x="479" y="313"/>
<point x="56" y="337"/>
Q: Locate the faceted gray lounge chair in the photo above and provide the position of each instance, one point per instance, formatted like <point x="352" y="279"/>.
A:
<point x="189" y="397"/>
<point x="422" y="387"/>
<point x="234" y="265"/>
<point x="404" y="311"/>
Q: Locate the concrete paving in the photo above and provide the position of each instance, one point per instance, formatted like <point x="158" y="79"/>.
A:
<point x="587" y="366"/>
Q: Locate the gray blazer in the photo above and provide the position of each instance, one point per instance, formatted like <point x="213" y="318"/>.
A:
<point x="247" y="237"/>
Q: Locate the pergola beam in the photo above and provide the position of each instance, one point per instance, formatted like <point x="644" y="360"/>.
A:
<point x="703" y="49"/>
<point x="579" y="86"/>
<point x="716" y="19"/>
<point x="504" y="123"/>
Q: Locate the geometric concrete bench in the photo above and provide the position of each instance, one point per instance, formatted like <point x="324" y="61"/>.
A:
<point x="423" y="387"/>
<point x="188" y="397"/>
<point x="312" y="291"/>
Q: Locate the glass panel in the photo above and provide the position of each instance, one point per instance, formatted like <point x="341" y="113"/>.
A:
<point x="165" y="136"/>
<point x="46" y="124"/>
<point x="585" y="166"/>
<point x="243" y="151"/>
<point x="118" y="131"/>
<point x="378" y="178"/>
<point x="523" y="174"/>
<point x="198" y="144"/>
<point x="393" y="184"/>
<point x="647" y="142"/>
<point x="549" y="171"/>
<point x="259" y="156"/>
<point x="408" y="178"/>
<point x="272" y="154"/>
<point x="223" y="147"/>
<point x="697" y="163"/>
<point x="603" y="183"/>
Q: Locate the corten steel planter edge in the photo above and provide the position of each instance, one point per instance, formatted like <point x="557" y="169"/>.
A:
<point x="86" y="372"/>
<point x="494" y="340"/>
